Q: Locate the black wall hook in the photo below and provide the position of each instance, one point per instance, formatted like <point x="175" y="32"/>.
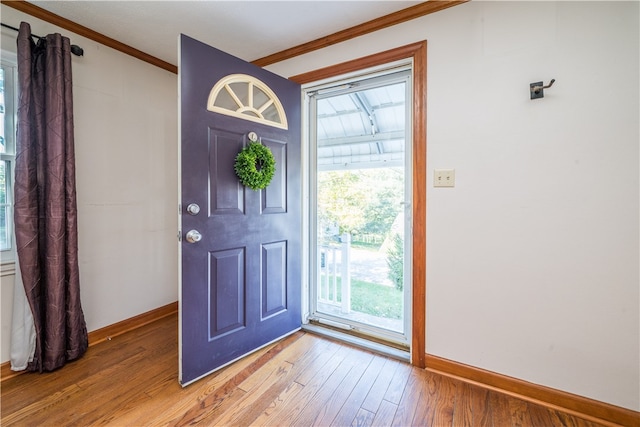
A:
<point x="537" y="89"/>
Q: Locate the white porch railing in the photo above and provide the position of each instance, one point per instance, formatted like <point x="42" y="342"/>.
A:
<point x="334" y="262"/>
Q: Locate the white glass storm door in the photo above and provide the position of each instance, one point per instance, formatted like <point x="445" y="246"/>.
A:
<point x="360" y="190"/>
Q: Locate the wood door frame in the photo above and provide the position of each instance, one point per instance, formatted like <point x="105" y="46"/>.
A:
<point x="417" y="52"/>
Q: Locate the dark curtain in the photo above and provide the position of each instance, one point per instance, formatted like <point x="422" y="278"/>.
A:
<point x="45" y="199"/>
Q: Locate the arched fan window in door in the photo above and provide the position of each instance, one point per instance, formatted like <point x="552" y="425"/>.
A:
<point x="248" y="98"/>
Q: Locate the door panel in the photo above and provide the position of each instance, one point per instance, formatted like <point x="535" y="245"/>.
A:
<point x="274" y="275"/>
<point x="226" y="196"/>
<point x="226" y="292"/>
<point x="240" y="284"/>
<point x="274" y="198"/>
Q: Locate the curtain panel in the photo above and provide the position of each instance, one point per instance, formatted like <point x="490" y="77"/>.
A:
<point x="45" y="200"/>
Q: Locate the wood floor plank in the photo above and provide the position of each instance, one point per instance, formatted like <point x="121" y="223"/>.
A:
<point x="82" y="404"/>
<point x="385" y="414"/>
<point x="322" y="361"/>
<point x="306" y="355"/>
<point x="565" y="420"/>
<point x="201" y="414"/>
<point x="351" y="408"/>
<point x="290" y="410"/>
<point x="539" y="415"/>
<point x="305" y="377"/>
<point x="267" y="372"/>
<point x="500" y="412"/>
<point x="132" y="397"/>
<point x="397" y="384"/>
<point x="463" y="411"/>
<point x="557" y="419"/>
<point x="123" y="398"/>
<point x="299" y="381"/>
<point x="230" y="416"/>
<point x="520" y="416"/>
<point x="276" y="405"/>
<point x="225" y="394"/>
<point x="167" y="401"/>
<point x="411" y="396"/>
<point x="379" y="388"/>
<point x="311" y="413"/>
<point x="34" y="386"/>
<point x="362" y="419"/>
<point x="481" y="406"/>
<point x="581" y="422"/>
<point x="445" y="402"/>
<point x="426" y="405"/>
<point x="293" y="352"/>
<point x="25" y="414"/>
<point x="328" y="412"/>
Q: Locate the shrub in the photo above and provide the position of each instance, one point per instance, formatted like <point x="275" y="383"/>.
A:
<point x="395" y="261"/>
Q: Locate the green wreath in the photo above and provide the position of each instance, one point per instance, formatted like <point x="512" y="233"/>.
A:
<point x="255" y="166"/>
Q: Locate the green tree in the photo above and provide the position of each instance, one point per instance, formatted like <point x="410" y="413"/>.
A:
<point x="360" y="201"/>
<point x="340" y="200"/>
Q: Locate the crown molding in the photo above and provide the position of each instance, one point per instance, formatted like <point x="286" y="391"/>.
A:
<point x="81" y="30"/>
<point x="395" y="18"/>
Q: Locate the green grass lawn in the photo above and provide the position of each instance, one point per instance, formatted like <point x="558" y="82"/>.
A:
<point x="377" y="300"/>
<point x="374" y="299"/>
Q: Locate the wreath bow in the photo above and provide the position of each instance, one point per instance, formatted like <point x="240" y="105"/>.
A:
<point x="255" y="166"/>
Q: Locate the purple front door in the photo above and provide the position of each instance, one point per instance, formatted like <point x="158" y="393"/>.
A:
<point x="240" y="283"/>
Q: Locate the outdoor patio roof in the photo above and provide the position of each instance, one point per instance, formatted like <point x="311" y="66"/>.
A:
<point x="362" y="129"/>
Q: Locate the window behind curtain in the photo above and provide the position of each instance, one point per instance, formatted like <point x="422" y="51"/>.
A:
<point x="7" y="155"/>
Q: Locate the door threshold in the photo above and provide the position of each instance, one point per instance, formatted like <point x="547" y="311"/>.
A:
<point x="386" y="350"/>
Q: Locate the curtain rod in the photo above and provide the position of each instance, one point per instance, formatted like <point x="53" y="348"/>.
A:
<point x="75" y="49"/>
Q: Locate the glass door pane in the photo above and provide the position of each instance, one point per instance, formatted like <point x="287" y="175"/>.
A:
<point x="361" y="195"/>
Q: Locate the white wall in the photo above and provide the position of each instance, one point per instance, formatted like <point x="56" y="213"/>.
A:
<point x="126" y="159"/>
<point x="532" y="260"/>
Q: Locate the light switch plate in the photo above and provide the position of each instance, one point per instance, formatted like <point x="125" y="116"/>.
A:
<point x="444" y="178"/>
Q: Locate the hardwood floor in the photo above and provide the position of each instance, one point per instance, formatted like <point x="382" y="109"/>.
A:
<point x="302" y="380"/>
